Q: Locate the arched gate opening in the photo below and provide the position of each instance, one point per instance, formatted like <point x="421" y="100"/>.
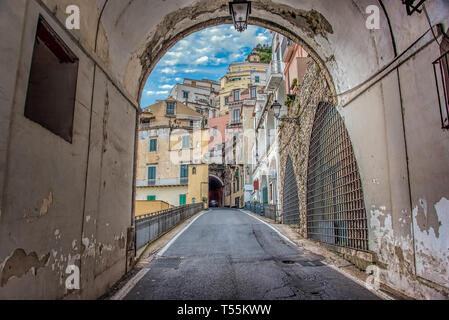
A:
<point x="290" y="199"/>
<point x="335" y="203"/>
<point x="215" y="191"/>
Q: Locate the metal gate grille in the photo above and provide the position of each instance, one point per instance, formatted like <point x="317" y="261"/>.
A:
<point x="291" y="201"/>
<point x="335" y="207"/>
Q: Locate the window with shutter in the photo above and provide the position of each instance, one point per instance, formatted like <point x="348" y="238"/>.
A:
<point x="153" y="145"/>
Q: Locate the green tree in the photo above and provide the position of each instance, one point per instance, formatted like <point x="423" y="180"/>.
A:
<point x="265" y="52"/>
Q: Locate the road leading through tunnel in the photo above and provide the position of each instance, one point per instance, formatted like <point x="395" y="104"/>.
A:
<point x="227" y="254"/>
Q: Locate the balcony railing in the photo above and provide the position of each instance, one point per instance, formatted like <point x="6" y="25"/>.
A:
<point x="274" y="75"/>
<point x="144" y="126"/>
<point x="235" y="122"/>
<point x="162" y="182"/>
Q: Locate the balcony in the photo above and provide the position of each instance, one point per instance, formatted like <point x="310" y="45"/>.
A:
<point x="288" y="47"/>
<point x="145" y="126"/>
<point x="162" y="182"/>
<point x="235" y="123"/>
<point x="274" y="75"/>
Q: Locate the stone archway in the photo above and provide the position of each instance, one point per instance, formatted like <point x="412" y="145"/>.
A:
<point x="120" y="42"/>
<point x="216" y="188"/>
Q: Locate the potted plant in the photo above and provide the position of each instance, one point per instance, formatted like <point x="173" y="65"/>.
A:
<point x="294" y="86"/>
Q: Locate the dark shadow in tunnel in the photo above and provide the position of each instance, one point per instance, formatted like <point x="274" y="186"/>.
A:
<point x="216" y="187"/>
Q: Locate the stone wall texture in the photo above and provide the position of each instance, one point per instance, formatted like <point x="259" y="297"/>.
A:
<point x="295" y="136"/>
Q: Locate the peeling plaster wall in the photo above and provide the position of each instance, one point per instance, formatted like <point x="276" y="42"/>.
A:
<point x="432" y="242"/>
<point x="62" y="203"/>
<point x="79" y="196"/>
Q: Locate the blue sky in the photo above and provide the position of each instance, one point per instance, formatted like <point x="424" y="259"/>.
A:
<point x="204" y="54"/>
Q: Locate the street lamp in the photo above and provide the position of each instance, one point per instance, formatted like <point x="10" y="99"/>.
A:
<point x="240" y="10"/>
<point x="276" y="109"/>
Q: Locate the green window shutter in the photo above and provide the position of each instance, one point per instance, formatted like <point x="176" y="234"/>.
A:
<point x="182" y="199"/>
<point x="151" y="173"/>
<point x="153" y="145"/>
<point x="151" y="198"/>
<point x="265" y="195"/>
<point x="184" y="171"/>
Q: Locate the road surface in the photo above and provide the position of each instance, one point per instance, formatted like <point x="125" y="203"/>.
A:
<point x="227" y="254"/>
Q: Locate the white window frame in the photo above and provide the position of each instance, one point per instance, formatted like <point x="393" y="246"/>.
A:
<point x="184" y="141"/>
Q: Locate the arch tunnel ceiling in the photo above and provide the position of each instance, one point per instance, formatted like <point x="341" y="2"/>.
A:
<point x="214" y="183"/>
<point x="133" y="35"/>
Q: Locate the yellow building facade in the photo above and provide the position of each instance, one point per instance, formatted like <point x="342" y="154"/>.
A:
<point x="240" y="76"/>
<point x="171" y="164"/>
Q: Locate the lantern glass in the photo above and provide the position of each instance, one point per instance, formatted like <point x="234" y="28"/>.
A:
<point x="240" y="11"/>
<point x="276" y="108"/>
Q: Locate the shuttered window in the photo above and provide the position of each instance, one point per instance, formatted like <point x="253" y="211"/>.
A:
<point x="153" y="145"/>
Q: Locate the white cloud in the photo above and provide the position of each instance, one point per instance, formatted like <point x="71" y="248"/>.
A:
<point x="174" y="54"/>
<point x="173" y="62"/>
<point x="166" y="86"/>
<point x="202" y="60"/>
<point x="213" y="46"/>
<point x="189" y="55"/>
<point x="168" y="70"/>
<point x="262" y="38"/>
<point x="217" y="38"/>
<point x="150" y="92"/>
<point x="203" y="50"/>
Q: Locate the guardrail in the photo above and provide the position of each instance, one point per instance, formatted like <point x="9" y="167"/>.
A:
<point x="270" y="211"/>
<point x="162" y="182"/>
<point x="150" y="227"/>
<point x="265" y="210"/>
<point x="256" y="208"/>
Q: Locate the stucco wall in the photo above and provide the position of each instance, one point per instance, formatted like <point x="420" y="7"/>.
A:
<point x="63" y="203"/>
<point x="146" y="207"/>
<point x="167" y="194"/>
<point x="85" y="189"/>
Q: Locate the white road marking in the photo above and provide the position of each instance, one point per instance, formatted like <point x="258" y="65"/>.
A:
<point x="270" y="226"/>
<point x="123" y="292"/>
<point x="344" y="273"/>
<point x="168" y="245"/>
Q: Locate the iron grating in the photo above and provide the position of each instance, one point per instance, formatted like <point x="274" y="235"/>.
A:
<point x="335" y="204"/>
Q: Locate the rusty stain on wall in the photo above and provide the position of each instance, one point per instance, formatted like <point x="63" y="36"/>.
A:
<point x="40" y="212"/>
<point x="46" y="204"/>
<point x="19" y="263"/>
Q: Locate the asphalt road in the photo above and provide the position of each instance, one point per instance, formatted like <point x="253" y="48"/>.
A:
<point x="226" y="254"/>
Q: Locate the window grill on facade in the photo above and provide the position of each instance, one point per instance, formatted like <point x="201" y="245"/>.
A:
<point x="335" y="203"/>
<point x="290" y="199"/>
<point x="441" y="71"/>
<point x="413" y="6"/>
